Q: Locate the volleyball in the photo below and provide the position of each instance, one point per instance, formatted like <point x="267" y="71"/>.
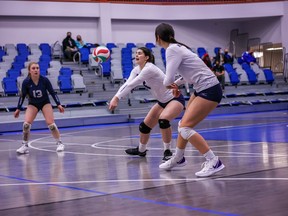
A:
<point x="101" y="54"/>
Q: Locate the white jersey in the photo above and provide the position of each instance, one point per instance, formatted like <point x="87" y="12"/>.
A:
<point x="181" y="60"/>
<point x="152" y="78"/>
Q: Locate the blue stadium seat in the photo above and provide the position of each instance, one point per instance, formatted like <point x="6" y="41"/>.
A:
<point x="250" y="73"/>
<point x="65" y="71"/>
<point x="84" y="55"/>
<point x="234" y="78"/>
<point x="13" y="73"/>
<point x="10" y="86"/>
<point x="201" y="51"/>
<point x="45" y="49"/>
<point x="65" y="83"/>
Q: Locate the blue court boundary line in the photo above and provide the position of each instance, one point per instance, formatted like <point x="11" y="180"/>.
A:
<point x="132" y="198"/>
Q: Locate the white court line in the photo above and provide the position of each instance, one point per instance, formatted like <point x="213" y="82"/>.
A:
<point x="142" y="180"/>
<point x="95" y="145"/>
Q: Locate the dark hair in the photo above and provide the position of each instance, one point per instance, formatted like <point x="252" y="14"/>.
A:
<point x="167" y="34"/>
<point x="147" y="52"/>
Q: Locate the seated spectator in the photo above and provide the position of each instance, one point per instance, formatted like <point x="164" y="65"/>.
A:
<point x="219" y="57"/>
<point x="69" y="46"/>
<point x="227" y="58"/>
<point x="249" y="57"/>
<point x="206" y="59"/>
<point x="219" y="71"/>
<point x="80" y="43"/>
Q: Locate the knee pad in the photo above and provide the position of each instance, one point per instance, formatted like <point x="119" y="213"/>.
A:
<point x="186" y="132"/>
<point x="164" y="123"/>
<point x="143" y="128"/>
<point x="52" y="127"/>
<point x="26" y="127"/>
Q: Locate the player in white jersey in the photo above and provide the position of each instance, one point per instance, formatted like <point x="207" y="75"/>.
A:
<point x="167" y="108"/>
<point x="208" y="94"/>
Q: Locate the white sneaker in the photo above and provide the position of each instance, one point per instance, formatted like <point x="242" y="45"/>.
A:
<point x="60" y="146"/>
<point x="168" y="165"/>
<point x="210" y="167"/>
<point x="23" y="149"/>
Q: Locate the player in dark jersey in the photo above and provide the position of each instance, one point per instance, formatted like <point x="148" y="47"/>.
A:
<point x="36" y="87"/>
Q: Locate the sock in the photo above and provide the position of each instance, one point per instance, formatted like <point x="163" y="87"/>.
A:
<point x="179" y="154"/>
<point x="209" y="155"/>
<point x="166" y="145"/>
<point x="25" y="143"/>
<point x="142" y="147"/>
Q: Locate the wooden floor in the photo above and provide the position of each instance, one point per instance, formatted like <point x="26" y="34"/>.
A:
<point x="94" y="176"/>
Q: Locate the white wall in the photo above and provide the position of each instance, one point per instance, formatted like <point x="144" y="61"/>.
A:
<point x="202" y="25"/>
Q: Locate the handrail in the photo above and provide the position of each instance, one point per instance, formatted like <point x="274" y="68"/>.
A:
<point x="163" y="2"/>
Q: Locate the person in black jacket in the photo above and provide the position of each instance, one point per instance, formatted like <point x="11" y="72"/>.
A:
<point x="69" y="46"/>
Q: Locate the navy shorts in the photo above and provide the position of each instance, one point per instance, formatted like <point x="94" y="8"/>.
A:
<point x="181" y="99"/>
<point x="40" y="106"/>
<point x="213" y="93"/>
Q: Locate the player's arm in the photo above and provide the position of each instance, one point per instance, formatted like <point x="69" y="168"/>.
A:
<point x="21" y="99"/>
<point x="173" y="60"/>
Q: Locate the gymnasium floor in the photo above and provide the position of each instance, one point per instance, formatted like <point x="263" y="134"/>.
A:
<point x="94" y="176"/>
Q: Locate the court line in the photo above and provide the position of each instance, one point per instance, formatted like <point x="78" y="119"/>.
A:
<point x="35" y="183"/>
<point x="131" y="198"/>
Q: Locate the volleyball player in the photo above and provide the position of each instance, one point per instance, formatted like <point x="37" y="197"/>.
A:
<point x="163" y="112"/>
<point x="36" y="88"/>
<point x="207" y="95"/>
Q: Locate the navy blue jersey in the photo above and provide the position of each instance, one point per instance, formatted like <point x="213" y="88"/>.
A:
<point x="37" y="93"/>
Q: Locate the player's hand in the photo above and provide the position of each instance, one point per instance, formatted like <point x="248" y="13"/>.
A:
<point x="61" y="109"/>
<point x="16" y="113"/>
<point x="113" y="103"/>
<point x="175" y="90"/>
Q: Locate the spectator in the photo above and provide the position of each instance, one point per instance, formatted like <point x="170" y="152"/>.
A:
<point x="227" y="58"/>
<point x="219" y="57"/>
<point x="80" y="43"/>
<point x="69" y="46"/>
<point x="219" y="71"/>
<point x="206" y="59"/>
<point x="249" y="57"/>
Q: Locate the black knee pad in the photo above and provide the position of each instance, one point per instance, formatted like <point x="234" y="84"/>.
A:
<point x="143" y="128"/>
<point x="164" y="123"/>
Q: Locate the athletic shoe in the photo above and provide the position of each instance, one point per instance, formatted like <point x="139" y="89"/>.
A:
<point x="23" y="149"/>
<point x="167" y="155"/>
<point x="60" y="146"/>
<point x="135" y="151"/>
<point x="210" y="167"/>
<point x="168" y="165"/>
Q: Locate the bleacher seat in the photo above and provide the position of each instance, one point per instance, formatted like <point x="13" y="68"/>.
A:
<point x="78" y="83"/>
<point x="201" y="51"/>
<point x="234" y="79"/>
<point x="45" y="49"/>
<point x="116" y="75"/>
<point x="10" y="86"/>
<point x="54" y="82"/>
<point x="84" y="55"/>
<point x="65" y="71"/>
<point x="250" y="73"/>
<point x="13" y="73"/>
<point x="65" y="84"/>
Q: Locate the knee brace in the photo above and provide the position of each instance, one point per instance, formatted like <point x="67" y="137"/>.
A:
<point x="26" y="127"/>
<point x="26" y="130"/>
<point x="53" y="127"/>
<point x="164" y="123"/>
<point x="186" y="132"/>
<point x="143" y="128"/>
